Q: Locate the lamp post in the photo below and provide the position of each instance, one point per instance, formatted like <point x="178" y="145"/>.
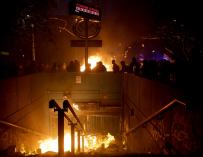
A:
<point x="33" y="42"/>
<point x="86" y="42"/>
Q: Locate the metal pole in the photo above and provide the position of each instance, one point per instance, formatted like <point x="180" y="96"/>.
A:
<point x="83" y="144"/>
<point x="73" y="138"/>
<point x="86" y="42"/>
<point x="78" y="141"/>
<point x="60" y="133"/>
<point x="33" y="43"/>
<point x="23" y="128"/>
<point x="76" y="117"/>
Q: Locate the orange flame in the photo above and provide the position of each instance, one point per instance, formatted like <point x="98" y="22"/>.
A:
<point x="75" y="106"/>
<point x="52" y="144"/>
<point x="91" y="142"/>
<point x="93" y="61"/>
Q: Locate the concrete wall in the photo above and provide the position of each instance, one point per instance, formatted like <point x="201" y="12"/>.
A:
<point x="104" y="88"/>
<point x="147" y="95"/>
<point x="171" y="132"/>
<point x="24" y="101"/>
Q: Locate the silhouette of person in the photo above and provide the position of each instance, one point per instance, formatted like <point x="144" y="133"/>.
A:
<point x="77" y="66"/>
<point x="134" y="66"/>
<point x="70" y="67"/>
<point x="99" y="67"/>
<point x="123" y="66"/>
<point x="115" y="66"/>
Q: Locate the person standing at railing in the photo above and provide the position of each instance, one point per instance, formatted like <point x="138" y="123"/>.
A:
<point x="124" y="67"/>
<point x="115" y="67"/>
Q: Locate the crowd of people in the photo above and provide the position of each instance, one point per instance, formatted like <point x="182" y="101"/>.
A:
<point x="162" y="70"/>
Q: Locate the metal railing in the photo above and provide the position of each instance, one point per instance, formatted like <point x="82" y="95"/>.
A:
<point x="148" y="119"/>
<point x="166" y="145"/>
<point x="23" y="128"/>
<point x="61" y="115"/>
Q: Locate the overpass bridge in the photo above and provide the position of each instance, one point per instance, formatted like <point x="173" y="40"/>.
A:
<point x="131" y="108"/>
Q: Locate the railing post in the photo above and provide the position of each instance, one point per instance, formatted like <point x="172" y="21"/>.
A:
<point x="60" y="133"/>
<point x="61" y="115"/>
<point x="78" y="141"/>
<point x="73" y="138"/>
<point x="83" y="143"/>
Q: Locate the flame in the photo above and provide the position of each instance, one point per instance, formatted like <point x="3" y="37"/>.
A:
<point x="93" y="61"/>
<point x="22" y="149"/>
<point x="75" y="106"/>
<point x="91" y="142"/>
<point x="52" y="144"/>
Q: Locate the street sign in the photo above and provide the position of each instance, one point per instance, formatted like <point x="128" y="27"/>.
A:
<point x="90" y="43"/>
<point x="84" y="10"/>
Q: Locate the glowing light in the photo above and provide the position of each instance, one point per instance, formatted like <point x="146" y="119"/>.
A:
<point x="22" y="149"/>
<point x="75" y="106"/>
<point x="91" y="142"/>
<point x="52" y="144"/>
<point x="92" y="60"/>
<point x="109" y="139"/>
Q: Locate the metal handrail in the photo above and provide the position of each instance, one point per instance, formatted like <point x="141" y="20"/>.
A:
<point x="74" y="114"/>
<point x="76" y="117"/>
<point x="57" y="107"/>
<point x="22" y="128"/>
<point x="169" y="105"/>
<point x="137" y="108"/>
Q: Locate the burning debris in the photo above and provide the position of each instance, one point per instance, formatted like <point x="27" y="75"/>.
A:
<point x="91" y="143"/>
<point x="95" y="142"/>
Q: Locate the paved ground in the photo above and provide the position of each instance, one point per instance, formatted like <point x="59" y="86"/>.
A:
<point x="51" y="154"/>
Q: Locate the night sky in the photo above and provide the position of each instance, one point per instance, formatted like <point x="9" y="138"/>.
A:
<point x="123" y="22"/>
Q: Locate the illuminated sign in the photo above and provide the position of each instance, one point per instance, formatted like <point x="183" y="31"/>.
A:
<point x="84" y="11"/>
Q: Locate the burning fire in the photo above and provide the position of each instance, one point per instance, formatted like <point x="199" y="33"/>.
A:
<point x="52" y="144"/>
<point x="93" y="61"/>
<point x="75" y="106"/>
<point x="91" y="142"/>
